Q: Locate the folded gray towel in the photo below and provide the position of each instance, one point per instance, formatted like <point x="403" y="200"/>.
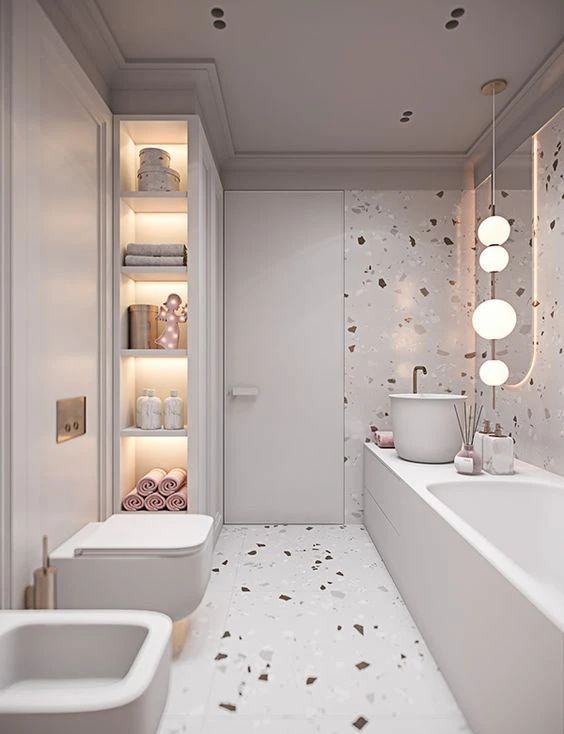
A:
<point x="156" y="250"/>
<point x="149" y="260"/>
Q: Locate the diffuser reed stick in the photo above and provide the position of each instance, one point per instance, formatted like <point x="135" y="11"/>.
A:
<point x="468" y="423"/>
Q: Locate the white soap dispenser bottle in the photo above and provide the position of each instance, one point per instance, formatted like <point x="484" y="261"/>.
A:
<point x="479" y="438"/>
<point x="154" y="411"/>
<point x="142" y="410"/>
<point x="173" y="412"/>
<point x="498" y="452"/>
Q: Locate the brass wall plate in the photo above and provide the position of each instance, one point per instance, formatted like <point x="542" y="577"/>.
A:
<point x="71" y="418"/>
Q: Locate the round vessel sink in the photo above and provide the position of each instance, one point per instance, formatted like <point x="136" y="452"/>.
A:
<point x="425" y="426"/>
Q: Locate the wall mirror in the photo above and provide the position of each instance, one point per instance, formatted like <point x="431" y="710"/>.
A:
<point x="514" y="201"/>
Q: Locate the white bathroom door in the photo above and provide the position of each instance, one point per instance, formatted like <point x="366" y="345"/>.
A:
<point x="284" y="357"/>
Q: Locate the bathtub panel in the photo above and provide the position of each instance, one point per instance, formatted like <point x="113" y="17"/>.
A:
<point x="379" y="527"/>
<point x="388" y="490"/>
<point x="499" y="654"/>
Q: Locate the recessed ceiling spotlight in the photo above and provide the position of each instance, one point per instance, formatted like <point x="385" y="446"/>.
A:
<point x="451" y="25"/>
<point x="457" y="13"/>
<point x="407" y="113"/>
<point x="405" y="119"/>
<point x="219" y="24"/>
<point x="217" y="12"/>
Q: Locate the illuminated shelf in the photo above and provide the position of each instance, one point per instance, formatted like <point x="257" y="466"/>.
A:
<point x="133" y="432"/>
<point x="161" y="273"/>
<point x="154" y="353"/>
<point x="156" y="201"/>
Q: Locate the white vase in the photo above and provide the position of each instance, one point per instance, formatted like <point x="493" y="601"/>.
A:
<point x="173" y="413"/>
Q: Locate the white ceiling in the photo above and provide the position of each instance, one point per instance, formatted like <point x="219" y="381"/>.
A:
<point x="334" y="76"/>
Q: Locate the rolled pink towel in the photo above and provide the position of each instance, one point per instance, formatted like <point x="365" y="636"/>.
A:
<point x="178" y="501"/>
<point x="150" y="482"/>
<point x="172" y="482"/>
<point x="132" y="502"/>
<point x="384" y="439"/>
<point x="155" y="502"/>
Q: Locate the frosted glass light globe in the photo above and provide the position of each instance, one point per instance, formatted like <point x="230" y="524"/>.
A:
<point x="494" y="259"/>
<point x="494" y="319"/>
<point x="494" y="372"/>
<point x="494" y="230"/>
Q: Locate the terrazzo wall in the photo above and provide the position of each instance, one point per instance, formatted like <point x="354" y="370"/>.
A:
<point x="409" y="295"/>
<point x="534" y="413"/>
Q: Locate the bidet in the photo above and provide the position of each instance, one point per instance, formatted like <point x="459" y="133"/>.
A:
<point x="63" y="672"/>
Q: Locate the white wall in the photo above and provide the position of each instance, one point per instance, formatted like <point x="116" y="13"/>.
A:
<point x="60" y="202"/>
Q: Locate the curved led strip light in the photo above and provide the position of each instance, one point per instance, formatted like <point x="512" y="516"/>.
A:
<point x="534" y="238"/>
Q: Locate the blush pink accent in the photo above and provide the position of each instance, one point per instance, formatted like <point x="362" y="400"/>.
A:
<point x="178" y="501"/>
<point x="155" y="502"/>
<point x="173" y="313"/>
<point x="172" y="482"/>
<point x="150" y="482"/>
<point x="132" y="502"/>
<point x="384" y="439"/>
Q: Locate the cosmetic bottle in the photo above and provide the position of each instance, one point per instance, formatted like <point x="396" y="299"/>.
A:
<point x="173" y="411"/>
<point x="154" y="412"/>
<point x="142" y="410"/>
<point x="498" y="452"/>
<point x="479" y="438"/>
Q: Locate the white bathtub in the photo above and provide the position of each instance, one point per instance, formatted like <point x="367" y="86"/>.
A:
<point x="480" y="563"/>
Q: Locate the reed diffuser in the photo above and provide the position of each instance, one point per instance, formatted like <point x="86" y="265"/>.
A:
<point x="468" y="460"/>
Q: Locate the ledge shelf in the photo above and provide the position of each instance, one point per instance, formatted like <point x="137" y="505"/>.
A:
<point x="161" y="273"/>
<point x="133" y="432"/>
<point x="165" y="202"/>
<point x="154" y="353"/>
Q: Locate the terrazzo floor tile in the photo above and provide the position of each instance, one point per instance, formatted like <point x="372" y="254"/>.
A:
<point x="303" y="627"/>
<point x="192" y="672"/>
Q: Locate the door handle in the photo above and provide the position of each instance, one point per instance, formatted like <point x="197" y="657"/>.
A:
<point x="244" y="392"/>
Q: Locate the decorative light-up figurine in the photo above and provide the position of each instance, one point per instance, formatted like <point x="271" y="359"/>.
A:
<point x="173" y="313"/>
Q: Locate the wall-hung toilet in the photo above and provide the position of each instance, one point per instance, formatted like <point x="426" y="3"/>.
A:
<point x="160" y="563"/>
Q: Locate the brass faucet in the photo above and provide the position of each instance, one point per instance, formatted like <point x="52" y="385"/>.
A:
<point x="418" y="368"/>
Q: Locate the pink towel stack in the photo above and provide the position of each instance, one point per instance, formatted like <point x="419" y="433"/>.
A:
<point x="384" y="439"/>
<point x="159" y="490"/>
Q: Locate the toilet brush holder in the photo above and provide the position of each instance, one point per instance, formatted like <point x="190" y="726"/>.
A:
<point x="43" y="593"/>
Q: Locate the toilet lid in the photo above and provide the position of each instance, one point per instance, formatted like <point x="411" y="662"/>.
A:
<point x="135" y="534"/>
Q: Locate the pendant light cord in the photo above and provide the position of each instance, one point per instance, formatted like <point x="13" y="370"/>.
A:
<point x="493" y="150"/>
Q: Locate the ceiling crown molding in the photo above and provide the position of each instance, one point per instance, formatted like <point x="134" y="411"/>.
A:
<point x="390" y="171"/>
<point x="175" y="87"/>
<point x="526" y="112"/>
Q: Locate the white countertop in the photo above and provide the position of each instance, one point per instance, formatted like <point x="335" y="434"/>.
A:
<point x="420" y="475"/>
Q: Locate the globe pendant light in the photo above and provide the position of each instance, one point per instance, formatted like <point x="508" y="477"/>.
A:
<point x="494" y="230"/>
<point x="494" y="259"/>
<point x="494" y="372"/>
<point x="494" y="319"/>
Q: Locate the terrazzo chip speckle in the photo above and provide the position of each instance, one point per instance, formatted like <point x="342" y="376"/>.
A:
<point x="288" y="653"/>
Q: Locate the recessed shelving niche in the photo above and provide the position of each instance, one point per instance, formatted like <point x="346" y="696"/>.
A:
<point x="149" y="218"/>
<point x="192" y="216"/>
